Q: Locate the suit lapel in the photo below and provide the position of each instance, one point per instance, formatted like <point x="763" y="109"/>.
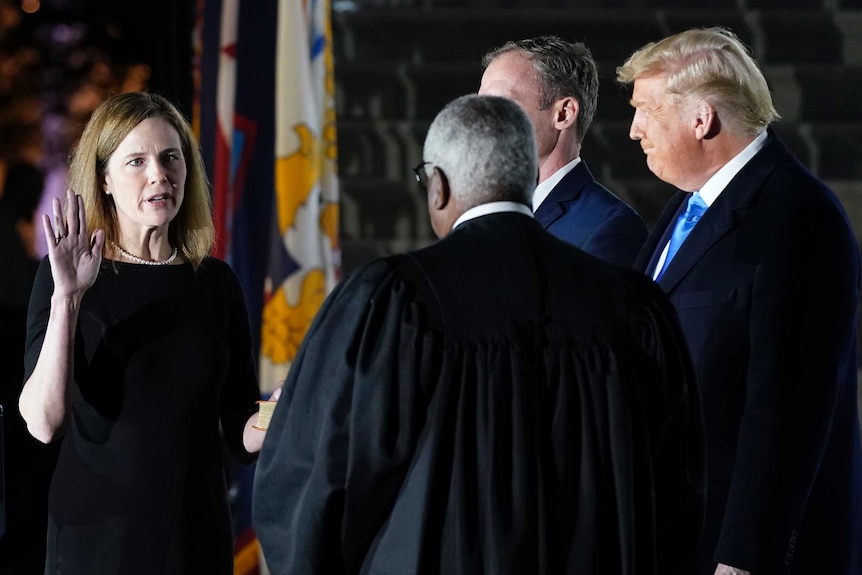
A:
<point x="652" y="248"/>
<point x="567" y="190"/>
<point x="717" y="220"/>
<point x="725" y="212"/>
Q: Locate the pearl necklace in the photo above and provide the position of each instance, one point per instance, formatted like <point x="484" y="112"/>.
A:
<point x="142" y="260"/>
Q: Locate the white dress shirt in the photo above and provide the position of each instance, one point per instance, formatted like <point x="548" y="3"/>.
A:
<point x="716" y="184"/>
<point x="492" y="208"/>
<point x="544" y="189"/>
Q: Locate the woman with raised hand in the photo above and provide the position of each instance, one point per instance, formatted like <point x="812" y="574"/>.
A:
<point x="139" y="354"/>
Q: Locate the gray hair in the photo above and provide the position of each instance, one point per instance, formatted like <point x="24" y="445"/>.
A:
<point x="708" y="64"/>
<point x="563" y="69"/>
<point x="486" y="148"/>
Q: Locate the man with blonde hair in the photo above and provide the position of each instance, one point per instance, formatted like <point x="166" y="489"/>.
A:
<point x="761" y="263"/>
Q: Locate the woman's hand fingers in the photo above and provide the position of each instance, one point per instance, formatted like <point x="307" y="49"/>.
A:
<point x="82" y="219"/>
<point x="69" y="220"/>
<point x="75" y="258"/>
<point x="276" y="393"/>
<point x="97" y="242"/>
<point x="59" y="220"/>
<point x="50" y="237"/>
<point x="69" y="217"/>
<point x="74" y="208"/>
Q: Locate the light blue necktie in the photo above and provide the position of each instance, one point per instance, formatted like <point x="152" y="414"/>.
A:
<point x="684" y="224"/>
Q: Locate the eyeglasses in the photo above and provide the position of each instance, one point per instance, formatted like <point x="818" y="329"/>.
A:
<point x="421" y="175"/>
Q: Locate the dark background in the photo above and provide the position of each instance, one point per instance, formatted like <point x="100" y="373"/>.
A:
<point x="397" y="62"/>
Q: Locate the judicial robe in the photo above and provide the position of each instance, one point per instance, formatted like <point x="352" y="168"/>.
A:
<point x="499" y="402"/>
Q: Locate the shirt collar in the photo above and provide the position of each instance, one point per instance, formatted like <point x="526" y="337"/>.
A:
<point x="716" y="184"/>
<point x="492" y="208"/>
<point x="544" y="188"/>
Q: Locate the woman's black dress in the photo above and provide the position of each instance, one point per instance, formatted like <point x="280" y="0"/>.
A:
<point x="163" y="366"/>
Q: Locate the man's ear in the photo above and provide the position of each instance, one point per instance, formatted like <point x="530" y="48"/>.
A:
<point x="706" y="124"/>
<point x="439" y="194"/>
<point x="440" y="203"/>
<point x="566" y="113"/>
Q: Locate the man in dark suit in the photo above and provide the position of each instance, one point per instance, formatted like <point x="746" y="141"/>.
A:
<point x="766" y="286"/>
<point x="557" y="85"/>
<point x="499" y="402"/>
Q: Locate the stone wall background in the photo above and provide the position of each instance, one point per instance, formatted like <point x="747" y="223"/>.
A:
<point x="398" y="62"/>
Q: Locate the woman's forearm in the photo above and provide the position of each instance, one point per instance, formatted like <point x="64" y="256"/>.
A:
<point x="44" y="399"/>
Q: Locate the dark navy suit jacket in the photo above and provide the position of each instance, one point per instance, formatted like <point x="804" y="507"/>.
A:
<point x="584" y="213"/>
<point x="766" y="287"/>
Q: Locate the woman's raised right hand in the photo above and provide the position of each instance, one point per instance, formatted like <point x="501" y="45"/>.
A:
<point x="75" y="258"/>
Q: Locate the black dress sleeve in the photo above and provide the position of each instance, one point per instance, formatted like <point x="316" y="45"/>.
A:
<point x="240" y="393"/>
<point x="37" y="316"/>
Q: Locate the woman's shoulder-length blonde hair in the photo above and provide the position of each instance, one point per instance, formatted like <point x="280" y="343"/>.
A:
<point x="192" y="230"/>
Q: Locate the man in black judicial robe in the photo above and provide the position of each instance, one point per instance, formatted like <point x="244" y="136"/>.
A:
<point x="499" y="402"/>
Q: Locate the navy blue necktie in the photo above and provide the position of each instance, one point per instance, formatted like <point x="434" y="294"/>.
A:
<point x="684" y="224"/>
